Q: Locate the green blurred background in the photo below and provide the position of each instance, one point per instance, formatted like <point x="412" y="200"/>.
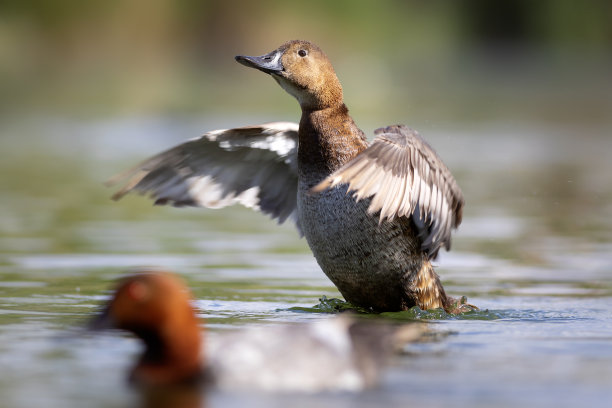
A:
<point x="409" y="61"/>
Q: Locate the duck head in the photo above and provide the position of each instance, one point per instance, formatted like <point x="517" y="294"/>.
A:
<point x="303" y="70"/>
<point x="156" y="307"/>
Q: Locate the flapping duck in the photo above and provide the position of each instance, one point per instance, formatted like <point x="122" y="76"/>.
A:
<point x="374" y="214"/>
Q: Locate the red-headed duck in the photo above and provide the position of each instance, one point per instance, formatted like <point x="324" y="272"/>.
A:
<point x="376" y="244"/>
<point x="156" y="307"/>
<point x="338" y="353"/>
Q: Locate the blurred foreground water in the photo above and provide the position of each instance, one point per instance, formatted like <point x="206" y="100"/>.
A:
<point x="534" y="253"/>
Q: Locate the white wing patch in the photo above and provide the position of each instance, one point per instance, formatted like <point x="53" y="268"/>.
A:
<point x="205" y="192"/>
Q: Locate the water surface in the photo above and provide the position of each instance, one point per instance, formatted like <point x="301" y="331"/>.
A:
<point x="534" y="253"/>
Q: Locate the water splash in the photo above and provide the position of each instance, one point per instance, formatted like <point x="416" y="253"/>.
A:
<point x="334" y="305"/>
<point x="331" y="305"/>
<point x="417" y="313"/>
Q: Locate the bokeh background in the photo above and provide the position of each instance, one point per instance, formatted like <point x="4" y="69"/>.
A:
<point x="416" y="61"/>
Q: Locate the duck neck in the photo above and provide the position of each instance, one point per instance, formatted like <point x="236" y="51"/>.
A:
<point x="328" y="138"/>
<point x="172" y="355"/>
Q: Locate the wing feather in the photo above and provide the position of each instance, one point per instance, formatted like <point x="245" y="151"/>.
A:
<point x="404" y="177"/>
<point x="255" y="166"/>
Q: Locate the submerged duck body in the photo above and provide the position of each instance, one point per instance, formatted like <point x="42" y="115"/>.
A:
<point x="374" y="214"/>
<point x="338" y="353"/>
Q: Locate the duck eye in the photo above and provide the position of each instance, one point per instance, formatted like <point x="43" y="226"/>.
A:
<point x="302" y="53"/>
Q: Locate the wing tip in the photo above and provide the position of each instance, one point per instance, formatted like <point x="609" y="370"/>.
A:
<point x="118" y="195"/>
<point x="323" y="185"/>
<point x="132" y="182"/>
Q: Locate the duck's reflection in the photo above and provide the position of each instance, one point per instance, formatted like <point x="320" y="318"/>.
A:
<point x="176" y="396"/>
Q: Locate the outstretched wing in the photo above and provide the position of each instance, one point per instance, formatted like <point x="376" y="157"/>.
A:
<point x="405" y="178"/>
<point x="255" y="166"/>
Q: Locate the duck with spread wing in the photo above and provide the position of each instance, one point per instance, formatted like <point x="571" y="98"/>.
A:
<point x="374" y="214"/>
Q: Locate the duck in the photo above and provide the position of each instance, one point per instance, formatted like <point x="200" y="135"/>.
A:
<point x="338" y="353"/>
<point x="375" y="214"/>
<point x="156" y="307"/>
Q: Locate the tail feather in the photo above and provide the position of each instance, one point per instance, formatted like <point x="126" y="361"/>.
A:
<point x="429" y="291"/>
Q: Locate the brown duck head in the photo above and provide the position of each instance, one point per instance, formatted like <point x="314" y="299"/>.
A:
<point x="303" y="70"/>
